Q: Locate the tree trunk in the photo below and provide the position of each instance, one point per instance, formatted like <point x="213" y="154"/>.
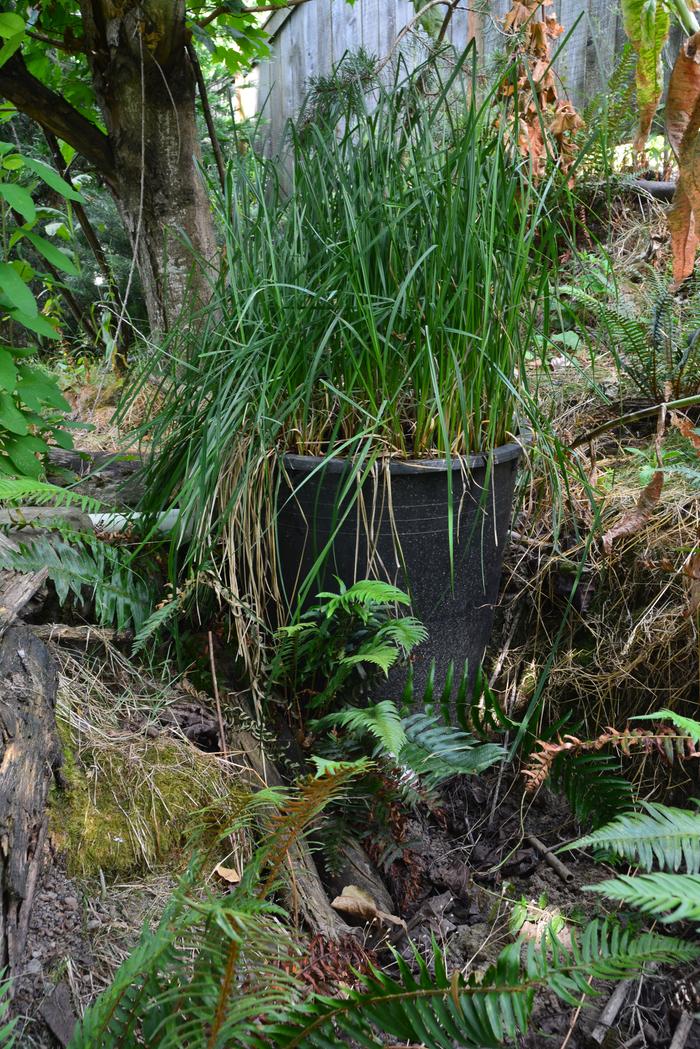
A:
<point x="145" y="87"/>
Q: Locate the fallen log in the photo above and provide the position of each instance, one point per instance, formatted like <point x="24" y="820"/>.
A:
<point x="16" y="588"/>
<point x="30" y="755"/>
<point x="305" y="895"/>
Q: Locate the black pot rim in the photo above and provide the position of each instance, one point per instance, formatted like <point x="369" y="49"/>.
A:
<point x="504" y="453"/>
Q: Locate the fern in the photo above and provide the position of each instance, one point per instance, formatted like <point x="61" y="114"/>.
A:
<point x="18" y="489"/>
<point x="658" y="350"/>
<point x="435" y="751"/>
<point x="687" y="725"/>
<point x="382" y="720"/>
<point x="592" y="786"/>
<point x="417" y="742"/>
<point x="122" y="597"/>
<point x="7" y="1025"/>
<point x="669" y="836"/>
<point x="665" y="897"/>
<point x="440" y="1010"/>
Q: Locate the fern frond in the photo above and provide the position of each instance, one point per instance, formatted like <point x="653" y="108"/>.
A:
<point x="150" y="626"/>
<point x="592" y="785"/>
<point x="669" y="836"/>
<point x="687" y="725"/>
<point x="19" y="489"/>
<point x="441" y="1010"/>
<point x="435" y="751"/>
<point x="381" y="719"/>
<point x="121" y="596"/>
<point x="666" y="897"/>
<point x="7" y="1026"/>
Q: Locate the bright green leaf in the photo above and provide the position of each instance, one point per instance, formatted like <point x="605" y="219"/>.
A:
<point x="647" y="24"/>
<point x="19" y="199"/>
<point x="10" y="46"/>
<point x="10" y="418"/>
<point x="53" y="179"/>
<point x="36" y="323"/>
<point x="52" y="254"/>
<point x="23" y="458"/>
<point x="8" y="372"/>
<point x="17" y="292"/>
<point x="10" y="24"/>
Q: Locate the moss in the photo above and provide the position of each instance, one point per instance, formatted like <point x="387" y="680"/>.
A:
<point x="133" y="804"/>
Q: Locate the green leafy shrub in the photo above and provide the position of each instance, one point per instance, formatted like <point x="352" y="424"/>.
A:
<point x="31" y="404"/>
<point x="218" y="969"/>
<point x="344" y="642"/>
<point x="658" y="348"/>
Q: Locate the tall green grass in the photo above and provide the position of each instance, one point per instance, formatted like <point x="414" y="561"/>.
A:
<point x="384" y="307"/>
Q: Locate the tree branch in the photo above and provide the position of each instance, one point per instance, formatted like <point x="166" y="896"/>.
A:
<point x="61" y="45"/>
<point x="218" y="11"/>
<point x="55" y="114"/>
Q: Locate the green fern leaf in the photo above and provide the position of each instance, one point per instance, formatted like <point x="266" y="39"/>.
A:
<point x="669" y="836"/>
<point x="666" y="897"/>
<point x="687" y="725"/>
<point x="19" y="489"/>
<point x="436" y="752"/>
<point x="592" y="786"/>
<point x="382" y="720"/>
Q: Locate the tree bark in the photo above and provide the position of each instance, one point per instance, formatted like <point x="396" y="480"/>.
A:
<point x="30" y="754"/>
<point x="145" y="87"/>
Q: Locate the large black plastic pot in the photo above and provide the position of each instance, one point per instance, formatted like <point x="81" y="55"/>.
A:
<point x="398" y="530"/>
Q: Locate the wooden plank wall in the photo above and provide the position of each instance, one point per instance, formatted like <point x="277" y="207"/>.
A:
<point x="310" y="39"/>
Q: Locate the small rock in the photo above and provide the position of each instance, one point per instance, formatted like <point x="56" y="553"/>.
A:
<point x="49" y="895"/>
<point x="93" y="924"/>
<point x="33" y="967"/>
<point x="70" y="903"/>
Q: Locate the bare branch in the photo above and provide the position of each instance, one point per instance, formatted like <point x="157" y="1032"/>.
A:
<point x="263" y="9"/>
<point x="55" y="114"/>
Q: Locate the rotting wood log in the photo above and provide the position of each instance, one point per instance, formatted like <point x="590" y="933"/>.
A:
<point x="353" y="866"/>
<point x="30" y="755"/>
<point x="305" y="895"/>
<point x="113" y="478"/>
<point x="16" y="588"/>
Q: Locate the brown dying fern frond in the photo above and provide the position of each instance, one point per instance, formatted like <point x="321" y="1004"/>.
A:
<point x="670" y="744"/>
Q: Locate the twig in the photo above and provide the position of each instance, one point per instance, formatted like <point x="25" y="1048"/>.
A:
<point x="680" y="1035"/>
<point x="609" y="1014"/>
<point x="222" y="732"/>
<point x="574" y="1018"/>
<point x="564" y="872"/>
<point x="87" y="632"/>
<point x="643" y="413"/>
<point x="264" y="8"/>
<point x="208" y="118"/>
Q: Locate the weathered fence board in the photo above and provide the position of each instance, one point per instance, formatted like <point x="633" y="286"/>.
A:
<point x="308" y="40"/>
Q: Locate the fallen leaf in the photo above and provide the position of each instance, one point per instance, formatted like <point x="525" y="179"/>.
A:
<point x="634" y="519"/>
<point x="227" y="874"/>
<point x="691" y="569"/>
<point x="359" y="904"/>
<point x="682" y="423"/>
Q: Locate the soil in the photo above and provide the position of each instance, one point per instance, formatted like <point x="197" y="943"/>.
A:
<point x="463" y="865"/>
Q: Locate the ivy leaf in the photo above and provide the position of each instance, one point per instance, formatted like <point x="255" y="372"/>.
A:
<point x="53" y="179"/>
<point x="17" y="292"/>
<point x="19" y="199"/>
<point x="53" y="254"/>
<point x="10" y="417"/>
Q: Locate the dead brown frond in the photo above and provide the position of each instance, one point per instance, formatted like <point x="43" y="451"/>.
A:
<point x="667" y="742"/>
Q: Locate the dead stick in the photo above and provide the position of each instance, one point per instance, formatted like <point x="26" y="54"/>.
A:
<point x="83" y="632"/>
<point x="680" y="1035"/>
<point x="609" y="1014"/>
<point x="564" y="872"/>
<point x="222" y="733"/>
